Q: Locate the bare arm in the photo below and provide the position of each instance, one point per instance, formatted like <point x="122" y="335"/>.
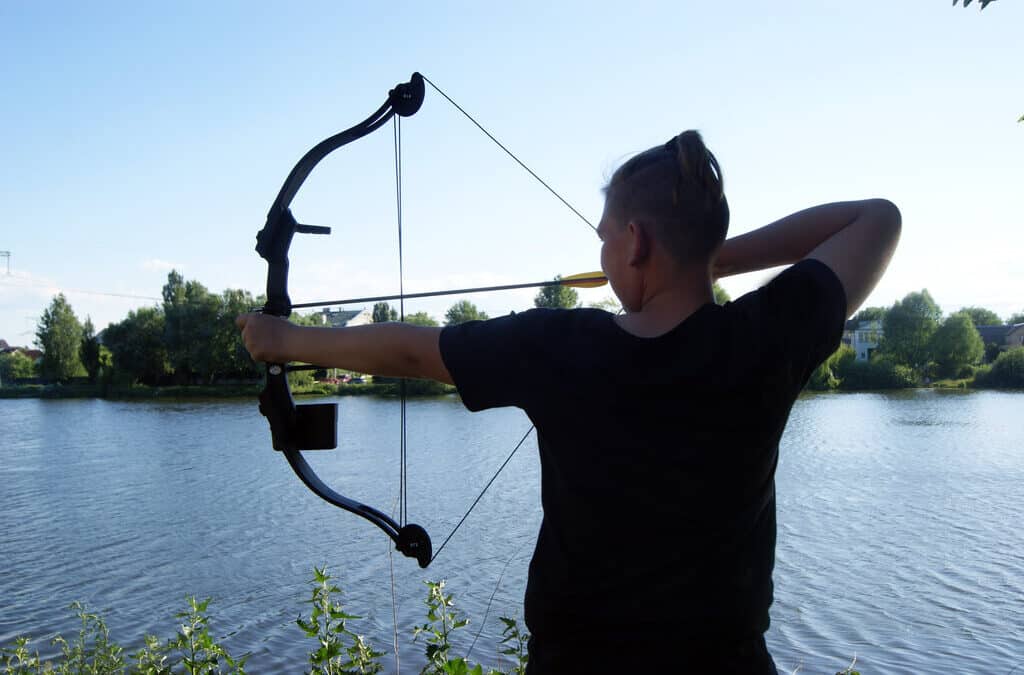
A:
<point x="855" y="239"/>
<point x="393" y="349"/>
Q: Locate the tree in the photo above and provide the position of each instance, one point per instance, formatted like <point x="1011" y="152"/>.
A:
<point x="137" y="346"/>
<point x="382" y="313"/>
<point x="720" y="294"/>
<point x="89" y="351"/>
<point x="984" y="3"/>
<point x="190" y="320"/>
<point x="15" y="365"/>
<point x="908" y="328"/>
<point x="870" y="314"/>
<point x="463" y="311"/>
<point x="228" y="356"/>
<point x="557" y="297"/>
<point x="420" y="319"/>
<point x="59" y="335"/>
<point x="956" y="344"/>
<point x="1016" y="318"/>
<point x="981" y="316"/>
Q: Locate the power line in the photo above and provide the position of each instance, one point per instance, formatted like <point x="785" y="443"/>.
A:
<point x="25" y="282"/>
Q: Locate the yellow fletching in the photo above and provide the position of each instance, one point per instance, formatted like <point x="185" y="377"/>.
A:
<point x="585" y="280"/>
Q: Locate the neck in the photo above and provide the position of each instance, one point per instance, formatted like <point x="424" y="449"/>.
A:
<point x="667" y="302"/>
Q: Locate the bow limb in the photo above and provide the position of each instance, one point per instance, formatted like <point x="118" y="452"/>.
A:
<point x="295" y="428"/>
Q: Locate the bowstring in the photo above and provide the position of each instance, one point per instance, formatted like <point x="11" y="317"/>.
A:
<point x="567" y="205"/>
<point x="403" y="473"/>
<point x="510" y="153"/>
<point x="403" y="505"/>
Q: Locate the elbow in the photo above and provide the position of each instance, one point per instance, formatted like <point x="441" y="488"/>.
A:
<point x="887" y="213"/>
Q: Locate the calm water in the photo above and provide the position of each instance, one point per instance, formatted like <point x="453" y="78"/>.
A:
<point x="900" y="535"/>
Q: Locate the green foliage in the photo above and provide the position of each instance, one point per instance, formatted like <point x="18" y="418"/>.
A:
<point x="137" y="346"/>
<point x="442" y="620"/>
<point x="870" y="314"/>
<point x="824" y="377"/>
<point x="981" y="316"/>
<point x="908" y="328"/>
<point x="1007" y="371"/>
<point x="955" y="345"/>
<point x="59" y="335"/>
<point x="18" y="660"/>
<point x="89" y="350"/>
<point x="515" y="642"/>
<point x="878" y="373"/>
<point x="228" y="356"/>
<point x="463" y="311"/>
<point x="1019" y="316"/>
<point x="196" y="650"/>
<point x="92" y="651"/>
<point x="557" y="297"/>
<point x="420" y="319"/>
<point x="15" y="365"/>
<point x="382" y="313"/>
<point x="720" y="294"/>
<point x="312" y="319"/>
<point x="190" y="322"/>
<point x="339" y="651"/>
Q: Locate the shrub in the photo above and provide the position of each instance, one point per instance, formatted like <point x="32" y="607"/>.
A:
<point x="1007" y="371"/>
<point x="880" y="373"/>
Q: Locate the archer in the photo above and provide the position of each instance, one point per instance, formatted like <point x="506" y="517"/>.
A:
<point x="659" y="428"/>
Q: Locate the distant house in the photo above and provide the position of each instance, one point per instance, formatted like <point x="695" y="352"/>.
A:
<point x="341" y="318"/>
<point x="863" y="336"/>
<point x="1002" y="337"/>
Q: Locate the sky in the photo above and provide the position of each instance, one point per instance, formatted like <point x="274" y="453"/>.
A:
<point x="144" y="137"/>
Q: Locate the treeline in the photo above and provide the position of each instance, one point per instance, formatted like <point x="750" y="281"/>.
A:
<point x="190" y="338"/>
<point x="918" y="346"/>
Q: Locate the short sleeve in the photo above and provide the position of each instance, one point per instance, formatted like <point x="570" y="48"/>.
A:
<point x="799" y="316"/>
<point x="491" y="361"/>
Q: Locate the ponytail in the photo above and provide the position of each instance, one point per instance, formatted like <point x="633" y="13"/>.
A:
<point x="678" y="189"/>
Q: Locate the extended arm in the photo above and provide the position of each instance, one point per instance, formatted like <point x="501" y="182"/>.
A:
<point x="393" y="349"/>
<point x="855" y="239"/>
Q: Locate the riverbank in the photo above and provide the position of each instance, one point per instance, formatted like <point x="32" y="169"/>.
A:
<point x="217" y="391"/>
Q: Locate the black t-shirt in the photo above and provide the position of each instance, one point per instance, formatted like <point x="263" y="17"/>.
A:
<point x="657" y="454"/>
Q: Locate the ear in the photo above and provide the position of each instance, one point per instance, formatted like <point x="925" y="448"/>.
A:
<point x="639" y="243"/>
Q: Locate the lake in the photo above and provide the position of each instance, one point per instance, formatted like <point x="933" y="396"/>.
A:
<point x="900" y="538"/>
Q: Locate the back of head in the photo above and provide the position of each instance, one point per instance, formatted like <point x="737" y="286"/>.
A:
<point x="677" y="190"/>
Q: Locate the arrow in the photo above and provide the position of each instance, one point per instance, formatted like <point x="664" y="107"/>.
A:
<point x="584" y="280"/>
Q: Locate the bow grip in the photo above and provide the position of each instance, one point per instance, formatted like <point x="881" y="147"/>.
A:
<point x="313" y="426"/>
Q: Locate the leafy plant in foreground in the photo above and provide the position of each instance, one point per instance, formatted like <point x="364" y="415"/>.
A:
<point x="327" y="625"/>
<point x="442" y="620"/>
<point x="516" y="642"/>
<point x="199" y="653"/>
<point x="92" y="651"/>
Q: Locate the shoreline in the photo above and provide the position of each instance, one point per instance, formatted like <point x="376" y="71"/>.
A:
<point x="214" y="391"/>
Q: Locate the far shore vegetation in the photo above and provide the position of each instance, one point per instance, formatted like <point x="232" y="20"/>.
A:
<point x="188" y="347"/>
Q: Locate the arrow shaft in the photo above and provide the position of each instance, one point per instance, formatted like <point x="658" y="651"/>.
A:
<point x="456" y="291"/>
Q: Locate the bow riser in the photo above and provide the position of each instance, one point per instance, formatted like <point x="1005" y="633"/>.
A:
<point x="295" y="428"/>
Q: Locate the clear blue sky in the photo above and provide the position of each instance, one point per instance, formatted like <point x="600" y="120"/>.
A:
<point x="138" y="137"/>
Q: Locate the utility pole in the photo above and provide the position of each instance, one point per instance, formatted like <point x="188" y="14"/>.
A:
<point x="7" y="254"/>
